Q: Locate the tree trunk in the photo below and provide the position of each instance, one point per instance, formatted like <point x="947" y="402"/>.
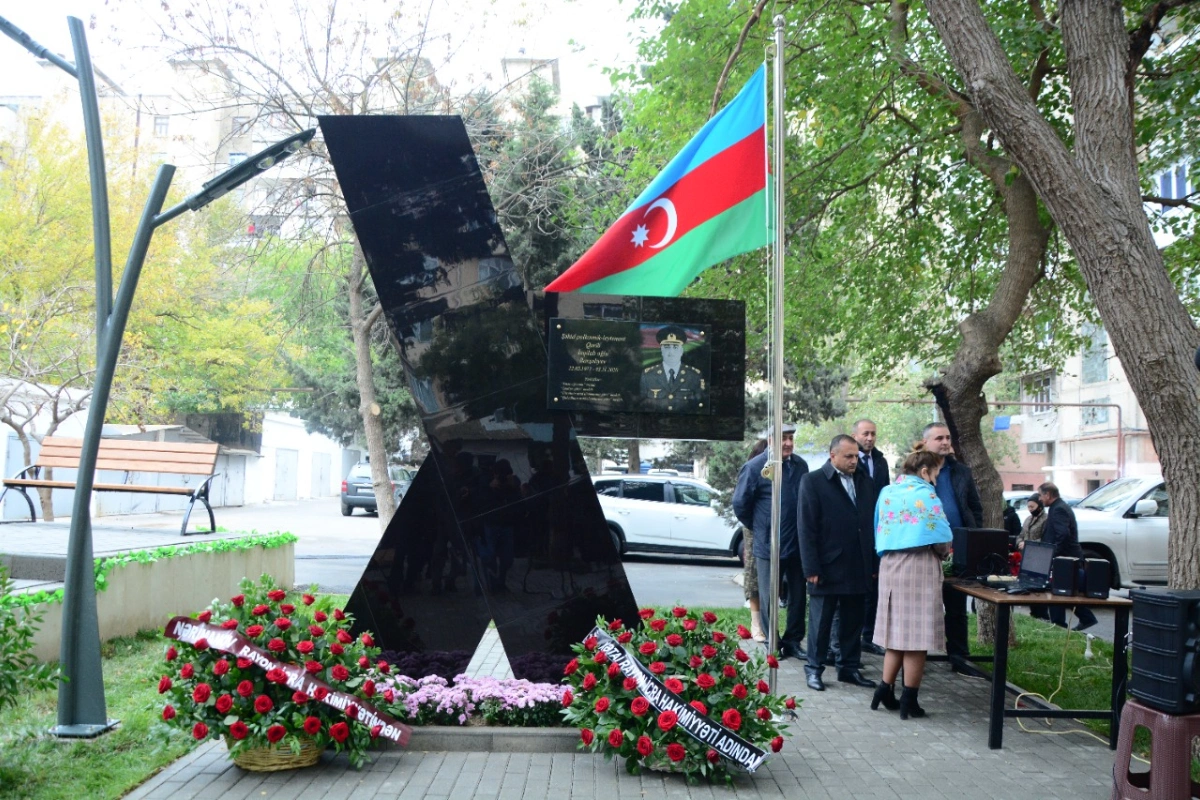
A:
<point x="1094" y="196"/>
<point x="361" y="323"/>
<point x="635" y="457"/>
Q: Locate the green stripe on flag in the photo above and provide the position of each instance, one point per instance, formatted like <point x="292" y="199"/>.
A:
<point x="737" y="230"/>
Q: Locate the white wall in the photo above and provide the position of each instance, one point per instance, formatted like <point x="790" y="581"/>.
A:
<point x="281" y="431"/>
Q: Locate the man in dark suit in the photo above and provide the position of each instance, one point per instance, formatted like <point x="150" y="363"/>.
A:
<point x="752" y="507"/>
<point x="837" y="548"/>
<point x="1062" y="531"/>
<point x="872" y="462"/>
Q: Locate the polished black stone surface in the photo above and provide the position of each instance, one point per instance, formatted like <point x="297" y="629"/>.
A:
<point x="501" y="521"/>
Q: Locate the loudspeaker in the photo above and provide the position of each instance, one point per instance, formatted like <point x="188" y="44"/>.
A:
<point x="980" y="551"/>
<point x="1062" y="575"/>
<point x="1097" y="577"/>
<point x="1166" y="650"/>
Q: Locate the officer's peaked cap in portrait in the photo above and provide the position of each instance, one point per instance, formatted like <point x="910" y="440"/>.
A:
<point x="672" y="334"/>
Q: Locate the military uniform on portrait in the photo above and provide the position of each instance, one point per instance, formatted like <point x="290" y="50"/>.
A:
<point x="672" y="385"/>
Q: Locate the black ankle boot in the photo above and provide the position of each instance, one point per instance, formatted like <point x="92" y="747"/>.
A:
<point x="908" y="703"/>
<point x="886" y="694"/>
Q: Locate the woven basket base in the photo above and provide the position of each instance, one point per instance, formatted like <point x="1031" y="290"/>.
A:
<point x="276" y="757"/>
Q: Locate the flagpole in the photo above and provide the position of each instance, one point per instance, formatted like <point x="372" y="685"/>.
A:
<point x="776" y="443"/>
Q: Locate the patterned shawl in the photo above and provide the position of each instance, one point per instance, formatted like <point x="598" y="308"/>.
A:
<point x="909" y="514"/>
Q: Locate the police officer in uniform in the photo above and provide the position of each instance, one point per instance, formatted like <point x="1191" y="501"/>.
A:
<point x="673" y="385"/>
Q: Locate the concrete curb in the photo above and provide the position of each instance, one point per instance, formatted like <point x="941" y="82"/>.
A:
<point x="453" y="739"/>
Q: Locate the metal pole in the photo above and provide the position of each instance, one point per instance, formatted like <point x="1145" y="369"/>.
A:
<point x="776" y="442"/>
<point x="81" y="706"/>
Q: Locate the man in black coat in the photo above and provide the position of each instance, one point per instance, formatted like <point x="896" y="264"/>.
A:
<point x="963" y="508"/>
<point x="752" y="507"/>
<point x="873" y="463"/>
<point x="837" y="547"/>
<point x="1062" y="531"/>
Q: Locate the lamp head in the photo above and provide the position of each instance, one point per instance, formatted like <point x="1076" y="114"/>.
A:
<point x="248" y="168"/>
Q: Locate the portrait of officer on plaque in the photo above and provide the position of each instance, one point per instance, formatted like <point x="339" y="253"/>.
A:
<point x="673" y="382"/>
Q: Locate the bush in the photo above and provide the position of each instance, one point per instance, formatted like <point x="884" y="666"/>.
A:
<point x="19" y="671"/>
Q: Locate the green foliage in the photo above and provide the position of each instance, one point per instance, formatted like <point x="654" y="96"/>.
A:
<point x="19" y="671"/>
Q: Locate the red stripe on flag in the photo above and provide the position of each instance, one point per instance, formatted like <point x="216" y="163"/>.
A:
<point x="718" y="184"/>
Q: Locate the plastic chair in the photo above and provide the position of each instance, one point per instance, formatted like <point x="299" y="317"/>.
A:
<point x="1171" y="737"/>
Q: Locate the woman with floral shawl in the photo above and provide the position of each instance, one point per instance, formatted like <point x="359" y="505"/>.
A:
<point x="911" y="536"/>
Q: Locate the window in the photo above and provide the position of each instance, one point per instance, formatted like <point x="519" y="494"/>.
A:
<point x="608" y="488"/>
<point x="162" y="126"/>
<point x="236" y="158"/>
<point x="645" y="490"/>
<point x="1033" y="448"/>
<point x="1159" y="496"/>
<point x="690" y="495"/>
<point x="1094" y="415"/>
<point x="1095" y="354"/>
<point x="1038" y="389"/>
<point x="241" y="125"/>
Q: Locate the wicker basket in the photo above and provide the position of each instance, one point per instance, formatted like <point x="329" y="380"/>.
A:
<point x="276" y="757"/>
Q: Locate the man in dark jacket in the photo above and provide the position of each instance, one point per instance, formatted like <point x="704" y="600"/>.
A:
<point x="752" y="507"/>
<point x="1062" y="531"/>
<point x="872" y="462"/>
<point x="960" y="501"/>
<point x="837" y="546"/>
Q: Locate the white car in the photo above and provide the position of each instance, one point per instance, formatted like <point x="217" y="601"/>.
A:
<point x="1126" y="522"/>
<point x="666" y="514"/>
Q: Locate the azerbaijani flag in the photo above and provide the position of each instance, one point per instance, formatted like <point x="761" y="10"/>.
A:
<point x="709" y="204"/>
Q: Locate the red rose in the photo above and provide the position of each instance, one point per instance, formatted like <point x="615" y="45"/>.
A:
<point x="705" y="681"/>
<point x="601" y="705"/>
<point x="305" y="647"/>
<point x="244" y="663"/>
<point x="731" y="719"/>
<point x="276" y="594"/>
<point x="312" y="726"/>
<point x="676" y="752"/>
<point x="299" y="698"/>
<point x="263" y="704"/>
<point x="615" y="738"/>
<point x="667" y="720"/>
<point x="743" y="631"/>
<point x="763" y="713"/>
<point x="614" y="670"/>
<point x="245" y="688"/>
<point x="658" y="667"/>
<point x="626" y="637"/>
<point x="764" y="687"/>
<point x="674" y="639"/>
<point x="254" y="630"/>
<point x="629" y="684"/>
<point x="589" y="681"/>
<point x="790" y="703"/>
<point x="205" y="615"/>
<point x="221" y="667"/>
<point x="740" y="655"/>
<point x="646" y="613"/>
<point x="260" y="609"/>
<point x="571" y="666"/>
<point x="647" y="648"/>
<point x="590" y="643"/>
<point x="772" y="661"/>
<point x="383" y="667"/>
<point x="601" y="657"/>
<point x="708" y="651"/>
<point x="389" y="696"/>
<point x="352" y="711"/>
<point x="287" y="608"/>
<point x="639" y="706"/>
<point x="696" y="704"/>
<point x="369" y="688"/>
<point x="689" y="624"/>
<point x="739" y="691"/>
<point x="238" y="730"/>
<point x="275" y="733"/>
<point x="674" y="684"/>
<point x="712" y="755"/>
<point x="224" y="703"/>
<point x="168" y="712"/>
<point x="320" y="693"/>
<point x="201" y="644"/>
<point x="615" y="625"/>
<point x="776" y="744"/>
<point x="312" y="667"/>
<point x="718" y="637"/>
<point x="230" y="624"/>
<point x="199" y="731"/>
<point x="339" y="731"/>
<point x="276" y="675"/>
<point x="695" y="661"/>
<point x="344" y="637"/>
<point x="202" y="692"/>
<point x="336" y="649"/>
<point x="283" y="623"/>
<point x="587" y="736"/>
<point x="367" y="640"/>
<point x="339" y="615"/>
<point x="238" y="600"/>
<point x="644" y="746"/>
<point x="376" y="730"/>
<point x="320" y="616"/>
<point x="276" y="645"/>
<point x="679" y="611"/>
<point x="710" y="617"/>
<point x="364" y="662"/>
<point x="728" y="671"/>
<point x="308" y="599"/>
<point x="316" y="630"/>
<point x="340" y="673"/>
<point x="658" y="625"/>
<point x="568" y="698"/>
<point x="172" y="654"/>
<point x="187" y="671"/>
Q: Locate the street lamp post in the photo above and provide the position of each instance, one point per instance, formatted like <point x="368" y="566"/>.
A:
<point x="81" y="705"/>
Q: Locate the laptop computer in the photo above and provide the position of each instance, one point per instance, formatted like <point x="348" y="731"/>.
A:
<point x="1035" y="568"/>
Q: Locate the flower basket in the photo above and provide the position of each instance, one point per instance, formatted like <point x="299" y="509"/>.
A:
<point x="276" y="757"/>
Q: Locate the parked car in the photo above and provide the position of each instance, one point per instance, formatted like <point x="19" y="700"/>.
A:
<point x="1018" y="498"/>
<point x="1127" y="522"/>
<point x="666" y="514"/>
<point x="358" y="490"/>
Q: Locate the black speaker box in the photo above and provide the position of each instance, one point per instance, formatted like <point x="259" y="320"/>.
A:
<point x="1166" y="650"/>
<point x="980" y="551"/>
<point x="1062" y="575"/>
<point x="1097" y="577"/>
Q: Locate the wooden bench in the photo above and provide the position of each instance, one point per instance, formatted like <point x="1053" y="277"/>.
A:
<point x="175" y="458"/>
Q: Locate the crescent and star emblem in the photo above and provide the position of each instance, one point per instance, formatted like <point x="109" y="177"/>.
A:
<point x="641" y="233"/>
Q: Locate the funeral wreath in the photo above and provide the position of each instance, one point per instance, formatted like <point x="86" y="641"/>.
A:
<point x="678" y="693"/>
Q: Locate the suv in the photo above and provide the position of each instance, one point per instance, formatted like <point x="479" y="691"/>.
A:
<point x="666" y="514"/>
<point x="1126" y="522"/>
<point x="358" y="491"/>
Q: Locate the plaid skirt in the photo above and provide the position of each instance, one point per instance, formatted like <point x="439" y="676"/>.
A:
<point x="910" y="615"/>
